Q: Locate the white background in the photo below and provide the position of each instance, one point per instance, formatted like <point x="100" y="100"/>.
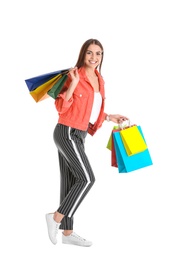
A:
<point x="127" y="216"/>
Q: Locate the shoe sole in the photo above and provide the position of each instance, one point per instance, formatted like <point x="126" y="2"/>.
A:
<point x="74" y="244"/>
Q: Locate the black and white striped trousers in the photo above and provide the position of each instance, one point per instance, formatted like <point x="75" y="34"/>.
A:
<point x="76" y="175"/>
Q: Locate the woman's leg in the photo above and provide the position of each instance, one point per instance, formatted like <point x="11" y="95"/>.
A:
<point x="70" y="144"/>
<point x="67" y="180"/>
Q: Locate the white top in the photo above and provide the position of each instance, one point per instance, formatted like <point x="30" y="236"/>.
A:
<point x="96" y="107"/>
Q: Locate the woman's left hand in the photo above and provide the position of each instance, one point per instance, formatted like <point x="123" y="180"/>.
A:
<point x="118" y="119"/>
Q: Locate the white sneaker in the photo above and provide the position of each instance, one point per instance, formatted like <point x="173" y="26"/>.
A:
<point x="53" y="227"/>
<point x="74" y="239"/>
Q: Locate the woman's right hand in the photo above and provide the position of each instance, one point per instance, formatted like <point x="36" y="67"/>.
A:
<point x="74" y="75"/>
<point x="75" y="79"/>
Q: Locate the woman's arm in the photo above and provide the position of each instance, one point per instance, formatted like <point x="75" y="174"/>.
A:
<point x="118" y="119"/>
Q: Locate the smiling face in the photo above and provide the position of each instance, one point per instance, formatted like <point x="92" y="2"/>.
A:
<point x="93" y="56"/>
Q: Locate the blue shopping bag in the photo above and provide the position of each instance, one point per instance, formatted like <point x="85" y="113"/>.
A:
<point x="129" y="163"/>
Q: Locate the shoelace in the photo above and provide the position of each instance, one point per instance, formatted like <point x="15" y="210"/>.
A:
<point x="77" y="236"/>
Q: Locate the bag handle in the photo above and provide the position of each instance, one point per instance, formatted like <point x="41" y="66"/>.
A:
<point x="122" y="126"/>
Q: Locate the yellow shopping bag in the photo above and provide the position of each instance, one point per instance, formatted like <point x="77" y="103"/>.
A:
<point x="121" y="127"/>
<point x="40" y="93"/>
<point x="133" y="140"/>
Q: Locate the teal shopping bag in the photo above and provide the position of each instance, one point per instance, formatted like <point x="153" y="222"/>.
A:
<point x="129" y="163"/>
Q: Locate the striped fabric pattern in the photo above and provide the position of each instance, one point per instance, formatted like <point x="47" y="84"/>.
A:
<point x="76" y="175"/>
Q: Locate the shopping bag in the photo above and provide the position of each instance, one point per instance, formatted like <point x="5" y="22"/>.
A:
<point x="129" y="163"/>
<point x="55" y="90"/>
<point x="118" y="127"/>
<point x="133" y="140"/>
<point x="41" y="92"/>
<point x="113" y="151"/>
<point x="109" y="143"/>
<point x="33" y="83"/>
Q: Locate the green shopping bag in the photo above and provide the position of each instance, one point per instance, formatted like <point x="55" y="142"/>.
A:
<point x="57" y="87"/>
<point x="109" y="143"/>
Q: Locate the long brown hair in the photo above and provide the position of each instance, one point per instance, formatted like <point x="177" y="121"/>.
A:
<point x="80" y="61"/>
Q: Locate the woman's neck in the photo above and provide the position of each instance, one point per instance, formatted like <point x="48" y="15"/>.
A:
<point x="90" y="72"/>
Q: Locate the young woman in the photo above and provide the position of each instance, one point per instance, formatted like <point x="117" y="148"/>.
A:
<point x="80" y="107"/>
